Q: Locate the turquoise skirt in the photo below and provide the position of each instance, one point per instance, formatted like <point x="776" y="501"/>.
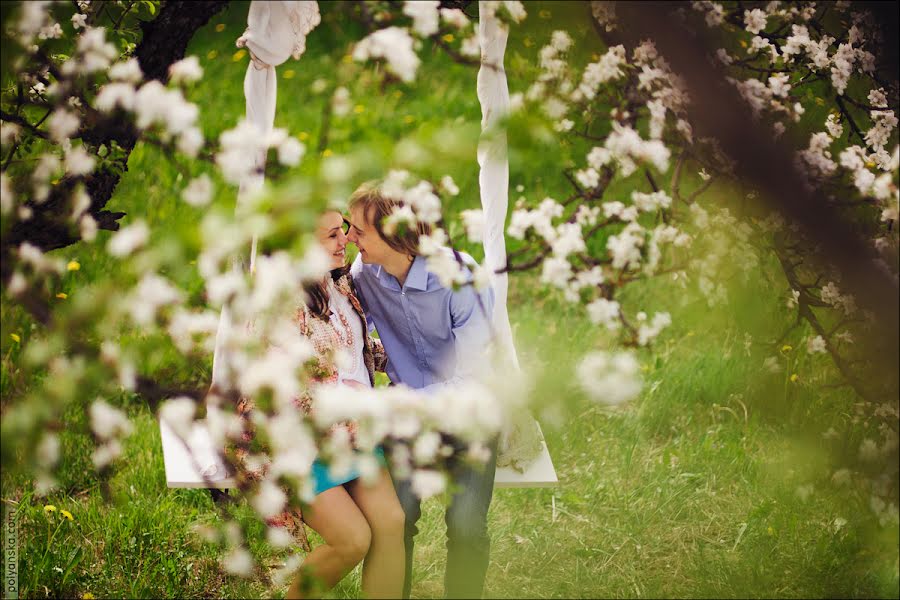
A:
<point x="324" y="481"/>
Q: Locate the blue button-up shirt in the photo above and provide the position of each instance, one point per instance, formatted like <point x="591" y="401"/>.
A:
<point x="432" y="335"/>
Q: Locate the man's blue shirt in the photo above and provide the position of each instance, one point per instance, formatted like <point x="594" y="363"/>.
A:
<point x="432" y="335"/>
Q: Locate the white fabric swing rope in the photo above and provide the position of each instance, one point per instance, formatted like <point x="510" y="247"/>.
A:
<point x="275" y="32"/>
<point x="493" y="94"/>
<point x="521" y="443"/>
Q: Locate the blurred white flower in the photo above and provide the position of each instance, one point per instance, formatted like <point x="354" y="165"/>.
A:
<point x="190" y="141"/>
<point x="393" y="44"/>
<point x="79" y="162"/>
<point x="816" y="345"/>
<point x="107" y="421"/>
<point x="279" y="537"/>
<point x="178" y="413"/>
<point x="290" y="152"/>
<point x="269" y="499"/>
<point x="199" y="191"/>
<point x="610" y="378"/>
<point x="238" y="562"/>
<point x="473" y="221"/>
<point x="454" y="17"/>
<point x="604" y="312"/>
<point x="129" y="239"/>
<point x="186" y="70"/>
<point x="128" y="71"/>
<point x="62" y="124"/>
<point x="424" y="14"/>
<point x="448" y="184"/>
<point x="427" y="483"/>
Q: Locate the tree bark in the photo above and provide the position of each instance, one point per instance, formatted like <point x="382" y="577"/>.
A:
<point x="164" y="42"/>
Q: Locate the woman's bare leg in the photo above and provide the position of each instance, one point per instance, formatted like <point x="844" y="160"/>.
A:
<point x="383" y="570"/>
<point x="347" y="538"/>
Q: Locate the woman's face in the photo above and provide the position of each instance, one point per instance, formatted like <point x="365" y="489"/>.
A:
<point x="332" y="238"/>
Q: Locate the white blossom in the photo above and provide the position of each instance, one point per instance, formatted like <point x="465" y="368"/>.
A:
<point x="427" y="483"/>
<point x="199" y="191"/>
<point x="129" y="239"/>
<point x="269" y="499"/>
<point x="108" y="422"/>
<point x="604" y="312"/>
<point x="454" y="17"/>
<point x="128" y="71"/>
<point x="816" y="345"/>
<point x="290" y="152"/>
<point x="609" y="378"/>
<point x="79" y="162"/>
<point x="473" y="221"/>
<point x="448" y="184"/>
<point x="186" y="70"/>
<point x="62" y="124"/>
<point x="113" y="95"/>
<point x="393" y="44"/>
<point x="178" y="413"/>
<point x="754" y="20"/>
<point x="424" y="14"/>
<point x="238" y="562"/>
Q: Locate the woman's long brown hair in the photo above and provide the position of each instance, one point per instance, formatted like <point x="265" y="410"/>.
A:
<point x="317" y="294"/>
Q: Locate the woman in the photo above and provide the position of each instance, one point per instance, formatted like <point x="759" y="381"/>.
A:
<point x="356" y="520"/>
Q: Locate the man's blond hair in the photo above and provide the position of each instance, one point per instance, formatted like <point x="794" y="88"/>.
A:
<point x="376" y="207"/>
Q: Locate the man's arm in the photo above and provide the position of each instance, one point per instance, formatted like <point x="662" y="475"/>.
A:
<point x="470" y="314"/>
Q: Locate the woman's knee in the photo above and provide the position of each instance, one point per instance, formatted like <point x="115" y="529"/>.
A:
<point x="353" y="546"/>
<point x="389" y="520"/>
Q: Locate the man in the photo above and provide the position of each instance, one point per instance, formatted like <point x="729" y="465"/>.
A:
<point x="430" y="335"/>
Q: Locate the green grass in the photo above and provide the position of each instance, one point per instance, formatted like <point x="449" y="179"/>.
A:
<point x="691" y="491"/>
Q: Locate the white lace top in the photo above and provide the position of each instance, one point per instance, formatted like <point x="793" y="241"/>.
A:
<point x="347" y="324"/>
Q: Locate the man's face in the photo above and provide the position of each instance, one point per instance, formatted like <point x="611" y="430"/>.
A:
<point x="372" y="248"/>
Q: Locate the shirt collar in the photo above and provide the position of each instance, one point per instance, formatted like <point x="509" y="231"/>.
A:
<point x="417" y="278"/>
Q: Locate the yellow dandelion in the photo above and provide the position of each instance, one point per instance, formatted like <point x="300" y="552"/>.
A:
<point x="769" y="530"/>
<point x="327" y="152"/>
<point x="87" y="596"/>
<point x="398" y="93"/>
<point x="544" y="14"/>
<point x="303" y="136"/>
<point x="67" y="515"/>
<point x="820" y="102"/>
<point x="448" y="38"/>
<point x="870" y="164"/>
<point x="743" y="43"/>
<point x="289" y="74"/>
<point x="62" y="295"/>
<point x="73" y="265"/>
<point x="690" y="334"/>
<point x="212" y="54"/>
<point x="595" y="56"/>
<point x="15" y="337"/>
<point x="794" y="378"/>
<point x="408" y="119"/>
<point x="347" y="58"/>
<point x="239" y="55"/>
<point x="49" y="508"/>
<point x="786" y="348"/>
<point x="220" y="27"/>
<point x="359" y="109"/>
<point x="527" y="42"/>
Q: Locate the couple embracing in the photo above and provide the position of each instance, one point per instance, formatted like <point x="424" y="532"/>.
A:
<point x="426" y="331"/>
